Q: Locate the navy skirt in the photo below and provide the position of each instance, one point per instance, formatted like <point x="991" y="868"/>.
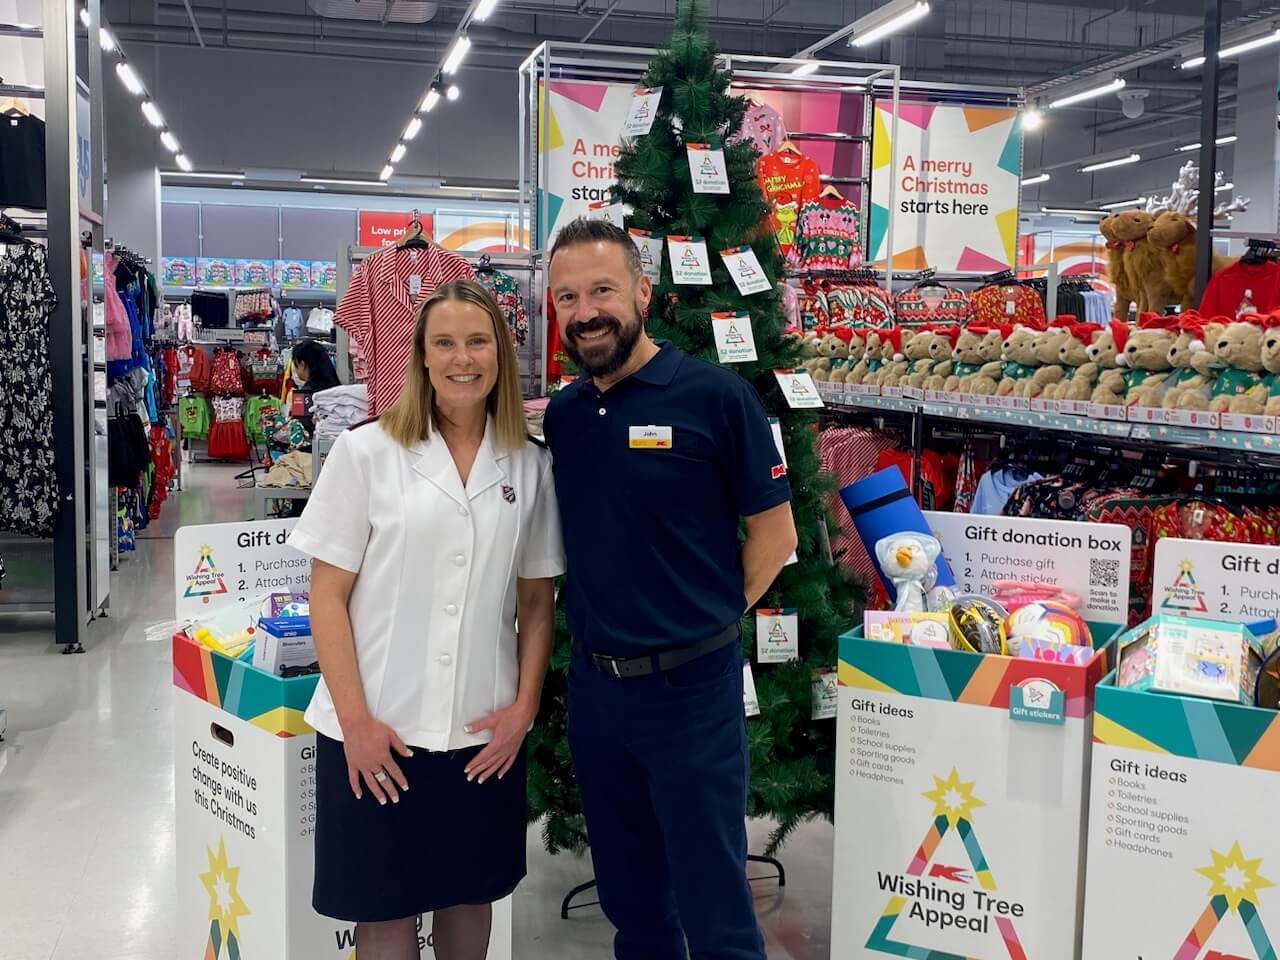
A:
<point x="447" y="842"/>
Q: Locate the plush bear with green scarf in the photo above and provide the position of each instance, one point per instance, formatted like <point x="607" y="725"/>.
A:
<point x="1079" y="372"/>
<point x="1240" y="387"/>
<point x="1271" y="361"/>
<point x="1019" y="360"/>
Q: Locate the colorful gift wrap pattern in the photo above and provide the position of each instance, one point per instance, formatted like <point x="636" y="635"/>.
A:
<point x="267" y="702"/>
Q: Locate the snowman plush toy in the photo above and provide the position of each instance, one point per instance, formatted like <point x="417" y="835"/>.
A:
<point x="909" y="561"/>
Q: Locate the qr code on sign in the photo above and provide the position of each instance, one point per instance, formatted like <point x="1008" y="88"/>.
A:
<point x="1104" y="573"/>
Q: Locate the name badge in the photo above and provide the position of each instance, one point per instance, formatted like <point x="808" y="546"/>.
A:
<point x="650" y="438"/>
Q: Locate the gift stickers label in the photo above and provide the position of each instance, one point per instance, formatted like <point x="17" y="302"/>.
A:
<point x="689" y="262"/>
<point x="734" y="341"/>
<point x="650" y="250"/>
<point x="799" y="389"/>
<point x="744" y="267"/>
<point x="706" y="167"/>
<point x="777" y="636"/>
<point x="644" y="107"/>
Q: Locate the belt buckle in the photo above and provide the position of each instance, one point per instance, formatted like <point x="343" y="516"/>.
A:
<point x="611" y="661"/>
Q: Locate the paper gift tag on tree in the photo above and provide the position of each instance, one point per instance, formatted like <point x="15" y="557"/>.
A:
<point x="777" y="635"/>
<point x="650" y="249"/>
<point x="750" y="703"/>
<point x="605" y="210"/>
<point x="798" y="388"/>
<point x="644" y="107"/>
<point x="744" y="267"/>
<point x="689" y="262"/>
<point x="706" y="167"/>
<point x="734" y="340"/>
<point x="826" y="690"/>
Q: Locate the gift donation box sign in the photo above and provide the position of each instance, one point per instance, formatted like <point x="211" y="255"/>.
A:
<point x="958" y="827"/>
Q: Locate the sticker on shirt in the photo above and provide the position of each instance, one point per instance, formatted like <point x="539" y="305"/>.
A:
<point x="644" y="107"/>
<point x="744" y="267"/>
<point x="798" y="388"/>
<point x="826" y="693"/>
<point x="650" y="438"/>
<point x="689" y="261"/>
<point x="415" y="286"/>
<point x="750" y="702"/>
<point x="735" y="342"/>
<point x="777" y="636"/>
<point x="650" y="249"/>
<point x="706" y="166"/>
<point x="605" y="210"/>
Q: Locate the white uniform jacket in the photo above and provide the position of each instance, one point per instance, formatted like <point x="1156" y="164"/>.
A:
<point x="433" y="609"/>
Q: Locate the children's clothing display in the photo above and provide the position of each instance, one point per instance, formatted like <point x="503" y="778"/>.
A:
<point x="506" y="291"/>
<point x="320" y="321"/>
<point x="337" y="408"/>
<point x="194" y="417"/>
<point x="28" y="481"/>
<point x="1242" y="288"/>
<point x="828" y="235"/>
<point x="211" y="309"/>
<point x="763" y="126"/>
<point x="789" y="180"/>
<point x="854" y="299"/>
<point x="379" y="309"/>
<point x="932" y="303"/>
<point x="292" y="318"/>
<point x="227" y="440"/>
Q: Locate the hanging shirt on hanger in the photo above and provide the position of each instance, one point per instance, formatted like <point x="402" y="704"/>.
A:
<point x="1012" y="303"/>
<point x="788" y="179"/>
<point x="1242" y="288"/>
<point x="828" y="235"/>
<point x="506" y="291"/>
<point x="22" y="163"/>
<point x="380" y="310"/>
<point x="929" y="304"/>
<point x="763" y="126"/>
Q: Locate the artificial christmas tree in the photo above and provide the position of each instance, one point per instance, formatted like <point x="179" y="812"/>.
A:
<point x="792" y="755"/>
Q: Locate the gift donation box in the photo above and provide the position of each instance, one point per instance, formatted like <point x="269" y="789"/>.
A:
<point x="1184" y="850"/>
<point x="244" y="788"/>
<point x="960" y="803"/>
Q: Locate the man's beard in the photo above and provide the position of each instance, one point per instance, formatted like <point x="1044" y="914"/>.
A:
<point x="602" y="360"/>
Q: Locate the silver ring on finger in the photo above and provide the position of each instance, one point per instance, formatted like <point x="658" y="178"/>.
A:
<point x="381" y="776"/>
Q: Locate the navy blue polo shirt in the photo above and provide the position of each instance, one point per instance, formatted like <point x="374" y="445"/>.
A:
<point x="651" y="531"/>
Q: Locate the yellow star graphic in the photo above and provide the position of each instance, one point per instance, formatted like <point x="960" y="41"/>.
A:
<point x="953" y="799"/>
<point x="1185" y="566"/>
<point x="225" y="904"/>
<point x="1234" y="877"/>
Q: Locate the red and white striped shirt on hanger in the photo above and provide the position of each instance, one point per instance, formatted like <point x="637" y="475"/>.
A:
<point x="379" y="312"/>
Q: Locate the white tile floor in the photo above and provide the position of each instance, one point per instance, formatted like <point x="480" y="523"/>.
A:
<point x="86" y="795"/>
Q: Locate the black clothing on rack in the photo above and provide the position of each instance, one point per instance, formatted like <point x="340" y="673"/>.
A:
<point x="22" y="157"/>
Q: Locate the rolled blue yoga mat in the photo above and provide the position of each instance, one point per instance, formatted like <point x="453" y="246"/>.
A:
<point x="881" y="505"/>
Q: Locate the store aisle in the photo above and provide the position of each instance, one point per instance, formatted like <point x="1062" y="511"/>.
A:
<point x="86" y="795"/>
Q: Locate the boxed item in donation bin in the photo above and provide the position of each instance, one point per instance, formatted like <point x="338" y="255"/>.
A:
<point x="1192" y="657"/>
<point x="284" y="642"/>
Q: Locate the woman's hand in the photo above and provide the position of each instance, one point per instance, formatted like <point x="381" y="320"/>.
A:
<point x="369" y="744"/>
<point x="509" y="728"/>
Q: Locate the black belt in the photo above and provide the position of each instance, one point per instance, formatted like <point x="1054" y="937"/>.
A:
<point x="627" y="667"/>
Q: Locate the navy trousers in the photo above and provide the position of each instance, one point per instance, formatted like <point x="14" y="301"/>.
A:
<point x="662" y="766"/>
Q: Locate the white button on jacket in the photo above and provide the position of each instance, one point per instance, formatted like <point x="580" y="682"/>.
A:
<point x="433" y="609"/>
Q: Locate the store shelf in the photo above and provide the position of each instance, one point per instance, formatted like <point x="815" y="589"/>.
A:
<point x="1071" y="424"/>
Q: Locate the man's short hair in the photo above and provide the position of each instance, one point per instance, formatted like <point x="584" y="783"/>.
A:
<point x="583" y="230"/>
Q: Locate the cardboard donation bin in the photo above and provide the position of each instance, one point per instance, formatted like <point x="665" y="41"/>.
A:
<point x="244" y="791"/>
<point x="961" y="781"/>
<point x="1184" y="854"/>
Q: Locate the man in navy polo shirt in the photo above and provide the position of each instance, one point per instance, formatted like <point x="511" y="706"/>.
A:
<point x="657" y="456"/>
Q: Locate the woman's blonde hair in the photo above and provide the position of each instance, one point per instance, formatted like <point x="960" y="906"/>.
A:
<point x="413" y="417"/>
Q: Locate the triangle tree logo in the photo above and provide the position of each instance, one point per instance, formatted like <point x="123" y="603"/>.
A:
<point x="206" y="579"/>
<point x="1234" y="885"/>
<point x="1183" y="594"/>
<point x="953" y="806"/>
<point x="732" y="336"/>
<point x="690" y="259"/>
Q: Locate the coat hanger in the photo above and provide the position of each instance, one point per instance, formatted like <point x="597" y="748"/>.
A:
<point x="413" y="237"/>
<point x="1260" y="251"/>
<point x="830" y="191"/>
<point x="485" y="265"/>
<point x="11" y="231"/>
<point x="13" y="107"/>
<point x="789" y="147"/>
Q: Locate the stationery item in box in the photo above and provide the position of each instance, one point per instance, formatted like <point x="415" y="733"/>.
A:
<point x="978" y="624"/>
<point x="1196" y="658"/>
<point x="881" y="505"/>
<point x="884" y="625"/>
<point x="284" y="644"/>
<point x="910" y="561"/>
<point x="288" y="605"/>
<point x="923" y="629"/>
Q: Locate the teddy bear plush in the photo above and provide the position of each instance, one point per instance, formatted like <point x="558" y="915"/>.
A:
<point x="1126" y="292"/>
<point x="809" y="351"/>
<point x="1048" y="349"/>
<point x="916" y="346"/>
<point x="1271" y="362"/>
<point x="1173" y="236"/>
<point x="1079" y="372"/>
<point x="965" y="356"/>
<point x="894" y="341"/>
<point x="856" y="347"/>
<point x="867" y="367"/>
<point x="991" y="354"/>
<point x="1239" y="387"/>
<point x="1019" y="361"/>
<point x="1146" y="359"/>
<point x="1142" y="263"/>
<point x="833" y="351"/>
<point x="941" y="352"/>
<point x="1104" y="352"/>
<point x="1194" y="367"/>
